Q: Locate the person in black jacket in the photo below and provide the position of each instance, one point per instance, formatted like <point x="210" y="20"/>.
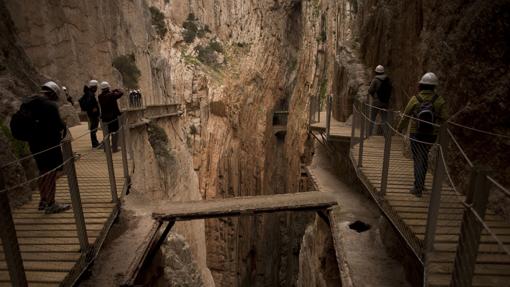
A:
<point x="380" y="91"/>
<point x="45" y="144"/>
<point x="110" y="111"/>
<point x="89" y="104"/>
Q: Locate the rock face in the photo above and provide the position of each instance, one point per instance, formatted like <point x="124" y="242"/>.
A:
<point x="229" y="65"/>
<point x="317" y="259"/>
<point x="449" y="38"/>
<point x="180" y="267"/>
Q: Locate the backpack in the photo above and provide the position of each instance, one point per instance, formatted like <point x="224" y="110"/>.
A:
<point x="426" y="116"/>
<point x="23" y="123"/>
<point x="384" y="91"/>
<point x="85" y="103"/>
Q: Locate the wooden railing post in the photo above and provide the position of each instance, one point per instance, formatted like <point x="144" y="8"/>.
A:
<point x="10" y="243"/>
<point x="362" y="135"/>
<point x="387" y="153"/>
<point x="109" y="162"/>
<point x="435" y="197"/>
<point x="471" y="229"/>
<point x="74" y="192"/>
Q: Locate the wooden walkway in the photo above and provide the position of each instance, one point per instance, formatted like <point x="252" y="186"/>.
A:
<point x="409" y="214"/>
<point x="339" y="131"/>
<point x="246" y="205"/>
<point x="48" y="242"/>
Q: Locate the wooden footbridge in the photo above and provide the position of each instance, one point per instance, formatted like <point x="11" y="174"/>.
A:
<point x="38" y="249"/>
<point x="51" y="251"/>
<point x="450" y="229"/>
<point x="225" y="207"/>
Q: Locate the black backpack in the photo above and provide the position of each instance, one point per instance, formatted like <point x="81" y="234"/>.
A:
<point x="85" y="103"/>
<point x="23" y="123"/>
<point x="384" y="91"/>
<point x="426" y="115"/>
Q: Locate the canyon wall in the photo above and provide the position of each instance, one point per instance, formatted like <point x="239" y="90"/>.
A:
<point x="466" y="43"/>
<point x="268" y="56"/>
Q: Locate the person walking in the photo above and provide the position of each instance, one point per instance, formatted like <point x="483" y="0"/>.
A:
<point x="428" y="111"/>
<point x="38" y="121"/>
<point x="380" y="91"/>
<point x="110" y="111"/>
<point x="89" y="104"/>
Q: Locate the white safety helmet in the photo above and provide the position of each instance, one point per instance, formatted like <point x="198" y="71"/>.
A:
<point x="379" y="69"/>
<point x="52" y="86"/>
<point x="64" y="88"/>
<point x="93" y="83"/>
<point x="429" y="79"/>
<point x="104" y="85"/>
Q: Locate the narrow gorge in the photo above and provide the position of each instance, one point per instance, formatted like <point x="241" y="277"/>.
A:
<point x="229" y="68"/>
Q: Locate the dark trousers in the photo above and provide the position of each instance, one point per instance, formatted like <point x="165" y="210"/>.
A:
<point x="373" y="115"/>
<point x="420" y="147"/>
<point x="93" y="125"/>
<point x="48" y="185"/>
<point x="113" y="130"/>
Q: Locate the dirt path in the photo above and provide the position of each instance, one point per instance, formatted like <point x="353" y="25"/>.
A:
<point x="365" y="254"/>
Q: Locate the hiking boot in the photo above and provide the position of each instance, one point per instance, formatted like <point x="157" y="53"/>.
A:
<point x="415" y="192"/>
<point x="42" y="205"/>
<point x="56" y="208"/>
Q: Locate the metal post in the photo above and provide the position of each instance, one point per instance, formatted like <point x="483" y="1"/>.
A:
<point x="435" y="196"/>
<point x="471" y="229"/>
<point x="310" y="115"/>
<point x="319" y="108"/>
<point x="362" y="137"/>
<point x="10" y="244"/>
<point x="74" y="192"/>
<point x="387" y="152"/>
<point x="109" y="163"/>
<point x="353" y="122"/>
<point x="123" y="147"/>
<point x="328" y="114"/>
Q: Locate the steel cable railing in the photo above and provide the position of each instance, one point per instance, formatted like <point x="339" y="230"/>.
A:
<point x="62" y="232"/>
<point x="444" y="216"/>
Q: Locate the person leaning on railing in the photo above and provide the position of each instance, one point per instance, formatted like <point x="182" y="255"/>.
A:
<point x="428" y="111"/>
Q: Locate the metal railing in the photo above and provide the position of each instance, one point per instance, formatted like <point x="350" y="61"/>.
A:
<point x="80" y="167"/>
<point x="449" y="213"/>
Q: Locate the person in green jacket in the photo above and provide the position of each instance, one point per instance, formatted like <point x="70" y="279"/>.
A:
<point x="426" y="112"/>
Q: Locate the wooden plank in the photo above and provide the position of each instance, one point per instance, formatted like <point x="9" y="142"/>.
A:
<point x="38" y="277"/>
<point x="62" y="227"/>
<point x="245" y="205"/>
<point x="58" y="234"/>
<point x="478" y="280"/>
<point x="482" y="258"/>
<point x="49" y="256"/>
<point x="43" y="265"/>
<point x="48" y="248"/>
